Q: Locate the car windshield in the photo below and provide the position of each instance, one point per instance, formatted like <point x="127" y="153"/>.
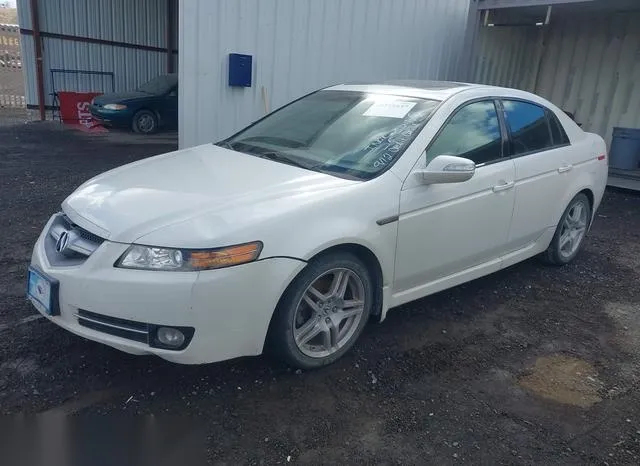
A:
<point x="345" y="133"/>
<point x="160" y="85"/>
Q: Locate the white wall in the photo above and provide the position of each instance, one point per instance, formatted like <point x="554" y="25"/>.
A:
<point x="301" y="45"/>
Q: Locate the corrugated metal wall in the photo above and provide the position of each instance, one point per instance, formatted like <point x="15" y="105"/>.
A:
<point x="590" y="65"/>
<point x="141" y="22"/>
<point x="505" y="56"/>
<point x="301" y="45"/>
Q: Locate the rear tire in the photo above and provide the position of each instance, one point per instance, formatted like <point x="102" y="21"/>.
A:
<point x="323" y="312"/>
<point x="145" y="122"/>
<point x="569" y="236"/>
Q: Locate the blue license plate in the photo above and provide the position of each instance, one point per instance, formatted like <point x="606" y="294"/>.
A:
<point x="42" y="291"/>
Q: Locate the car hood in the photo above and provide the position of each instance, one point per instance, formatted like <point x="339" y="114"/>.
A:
<point x="116" y="97"/>
<point x="134" y="200"/>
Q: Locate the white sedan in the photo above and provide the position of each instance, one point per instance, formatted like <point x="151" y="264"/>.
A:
<point x="290" y="235"/>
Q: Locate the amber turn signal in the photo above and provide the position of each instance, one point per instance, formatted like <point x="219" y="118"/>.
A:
<point x="225" y="257"/>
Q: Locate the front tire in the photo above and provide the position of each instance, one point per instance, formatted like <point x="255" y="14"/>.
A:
<point x="323" y="312"/>
<point x="570" y="233"/>
<point x="145" y="122"/>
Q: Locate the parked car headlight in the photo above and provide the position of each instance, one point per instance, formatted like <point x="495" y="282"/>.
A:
<point x="115" y="107"/>
<point x="187" y="260"/>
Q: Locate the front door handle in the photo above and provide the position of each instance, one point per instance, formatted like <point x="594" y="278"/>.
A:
<point x="565" y="168"/>
<point x="503" y="187"/>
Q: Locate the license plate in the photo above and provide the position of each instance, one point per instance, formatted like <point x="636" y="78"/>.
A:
<point x="42" y="291"/>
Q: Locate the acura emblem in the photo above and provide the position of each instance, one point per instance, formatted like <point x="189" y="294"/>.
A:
<point x="63" y="242"/>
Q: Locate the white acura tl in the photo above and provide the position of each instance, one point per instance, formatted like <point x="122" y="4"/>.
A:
<point x="293" y="233"/>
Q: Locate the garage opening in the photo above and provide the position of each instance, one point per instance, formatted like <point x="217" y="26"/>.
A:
<point x="583" y="55"/>
<point x="108" y="64"/>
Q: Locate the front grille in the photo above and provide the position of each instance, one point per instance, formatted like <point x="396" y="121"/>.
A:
<point x="82" y="232"/>
<point x="129" y="329"/>
<point x="79" y="243"/>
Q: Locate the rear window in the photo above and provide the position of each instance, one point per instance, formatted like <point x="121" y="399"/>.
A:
<point x="160" y="84"/>
<point x="528" y="125"/>
<point x="560" y="137"/>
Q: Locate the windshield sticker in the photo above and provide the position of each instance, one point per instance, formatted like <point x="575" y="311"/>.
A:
<point x="388" y="147"/>
<point x="390" y="109"/>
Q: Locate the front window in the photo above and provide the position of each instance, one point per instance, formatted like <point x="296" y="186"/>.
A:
<point x="160" y="85"/>
<point x="473" y="133"/>
<point x="345" y="133"/>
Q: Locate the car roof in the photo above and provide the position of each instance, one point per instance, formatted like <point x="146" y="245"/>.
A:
<point x="436" y="90"/>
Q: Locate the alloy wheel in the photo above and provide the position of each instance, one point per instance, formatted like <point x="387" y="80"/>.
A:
<point x="573" y="230"/>
<point x="146" y="123"/>
<point x="329" y="312"/>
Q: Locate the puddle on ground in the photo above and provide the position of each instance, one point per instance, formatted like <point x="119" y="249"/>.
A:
<point x="564" y="379"/>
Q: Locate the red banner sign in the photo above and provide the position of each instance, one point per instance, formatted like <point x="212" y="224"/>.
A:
<point x="74" y="110"/>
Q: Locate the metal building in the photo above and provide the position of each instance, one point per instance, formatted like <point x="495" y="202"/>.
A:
<point x="296" y="46"/>
<point x="300" y="45"/>
<point x="583" y="55"/>
<point x="94" y="45"/>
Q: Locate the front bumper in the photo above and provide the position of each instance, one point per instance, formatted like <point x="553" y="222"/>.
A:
<point x="116" y="118"/>
<point x="229" y="309"/>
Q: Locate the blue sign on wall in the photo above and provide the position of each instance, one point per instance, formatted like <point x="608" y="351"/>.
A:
<point x="240" y="67"/>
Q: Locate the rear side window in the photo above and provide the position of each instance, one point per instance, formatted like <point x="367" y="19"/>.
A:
<point x="528" y="125"/>
<point x="473" y="132"/>
<point x="560" y="137"/>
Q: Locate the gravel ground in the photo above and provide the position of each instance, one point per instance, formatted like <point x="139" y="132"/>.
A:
<point x="532" y="365"/>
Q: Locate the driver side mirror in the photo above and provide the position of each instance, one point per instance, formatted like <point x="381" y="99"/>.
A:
<point x="447" y="169"/>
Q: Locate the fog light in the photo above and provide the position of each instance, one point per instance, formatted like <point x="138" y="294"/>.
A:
<point x="170" y="336"/>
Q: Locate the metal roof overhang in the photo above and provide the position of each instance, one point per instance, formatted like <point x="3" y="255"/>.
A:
<point x="495" y="4"/>
<point x="561" y="5"/>
<point x="541" y="12"/>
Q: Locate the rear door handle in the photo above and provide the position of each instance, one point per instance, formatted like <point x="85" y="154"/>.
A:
<point x="565" y="168"/>
<point x="503" y="187"/>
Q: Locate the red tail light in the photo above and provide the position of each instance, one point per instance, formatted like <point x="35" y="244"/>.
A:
<point x="602" y="157"/>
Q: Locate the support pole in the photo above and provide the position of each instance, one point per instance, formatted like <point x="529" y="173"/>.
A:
<point x="37" y="45"/>
<point x="170" y="33"/>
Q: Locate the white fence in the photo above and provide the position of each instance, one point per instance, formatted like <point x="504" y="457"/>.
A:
<point x="11" y="77"/>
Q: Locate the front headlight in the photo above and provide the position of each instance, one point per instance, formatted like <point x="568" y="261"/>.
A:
<point x="115" y="107"/>
<point x="187" y="260"/>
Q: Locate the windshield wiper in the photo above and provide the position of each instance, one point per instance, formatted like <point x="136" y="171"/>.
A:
<point x="269" y="155"/>
<point x="225" y="144"/>
<point x="278" y="157"/>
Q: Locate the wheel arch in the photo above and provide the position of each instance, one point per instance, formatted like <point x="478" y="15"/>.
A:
<point x="363" y="253"/>
<point x="592" y="199"/>
<point x="370" y="260"/>
<point x="589" y="193"/>
<point x="583" y="188"/>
